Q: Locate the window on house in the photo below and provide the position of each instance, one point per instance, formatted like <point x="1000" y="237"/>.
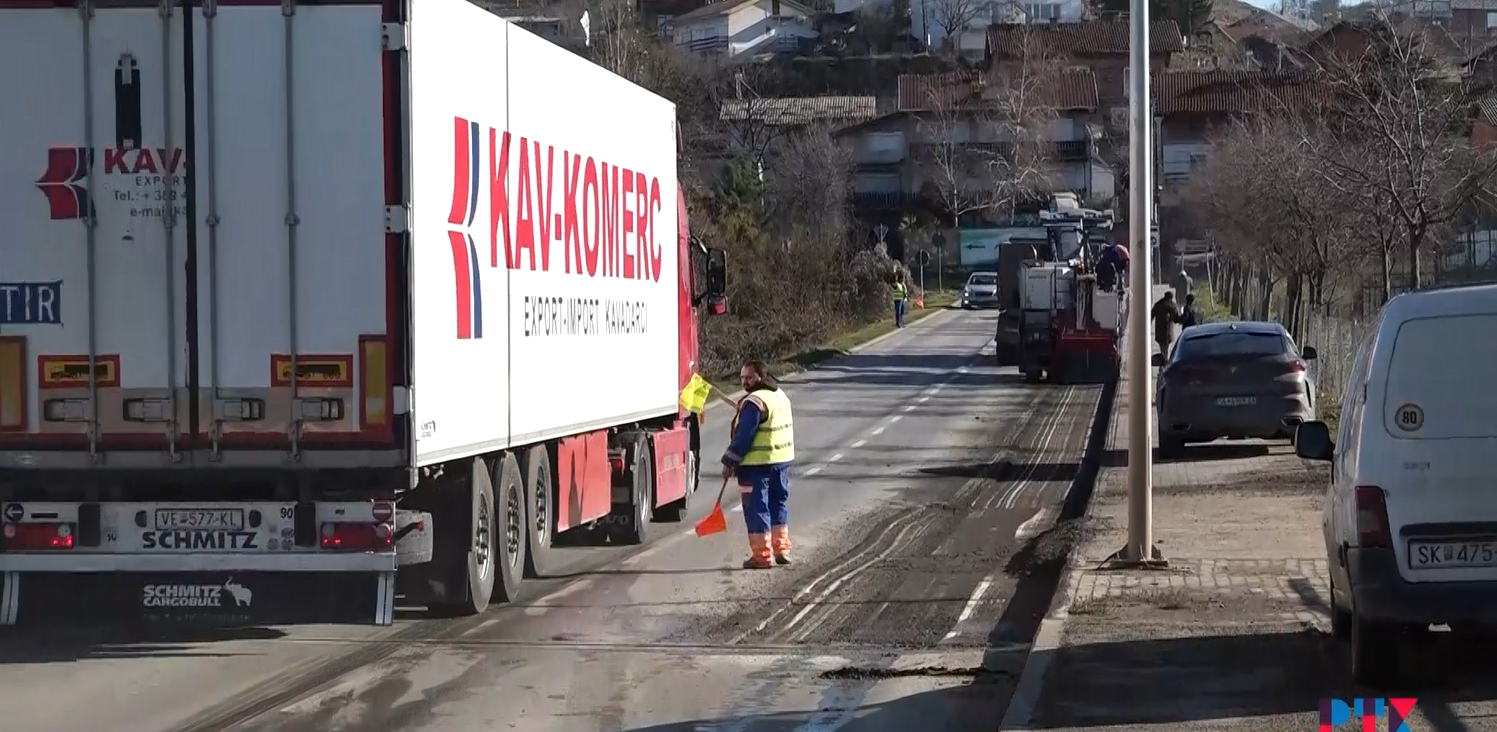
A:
<point x="1491" y="20"/>
<point x="664" y="23"/>
<point x="1042" y="12"/>
<point x="1127" y="81"/>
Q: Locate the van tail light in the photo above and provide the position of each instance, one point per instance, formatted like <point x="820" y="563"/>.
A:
<point x="1372" y="519"/>
<point x="13" y="384"/>
<point x="37" y="537"/>
<point x="1295" y="367"/>
<point x="356" y="536"/>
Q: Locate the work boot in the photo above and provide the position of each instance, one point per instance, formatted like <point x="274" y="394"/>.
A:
<point x="780" y="542"/>
<point x="759" y="554"/>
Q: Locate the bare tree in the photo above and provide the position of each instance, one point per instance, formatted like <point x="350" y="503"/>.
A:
<point x="985" y="139"/>
<point x="953" y="17"/>
<point x="1269" y="211"/>
<point x="1402" y="119"/>
<point x="752" y="119"/>
<point x="808" y="186"/>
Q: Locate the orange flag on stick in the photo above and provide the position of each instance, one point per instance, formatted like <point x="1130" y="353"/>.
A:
<point x="716" y="522"/>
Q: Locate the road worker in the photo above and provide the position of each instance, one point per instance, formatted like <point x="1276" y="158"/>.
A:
<point x="762" y="448"/>
<point x="901" y="294"/>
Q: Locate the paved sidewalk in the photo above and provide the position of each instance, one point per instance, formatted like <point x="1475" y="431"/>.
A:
<point x="1232" y="629"/>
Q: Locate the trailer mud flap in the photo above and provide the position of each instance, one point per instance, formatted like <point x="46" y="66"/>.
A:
<point x="197" y="598"/>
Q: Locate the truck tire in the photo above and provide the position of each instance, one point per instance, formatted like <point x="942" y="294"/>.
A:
<point x="634" y="529"/>
<point x="510" y="534"/>
<point x="540" y="508"/>
<point x="472" y="550"/>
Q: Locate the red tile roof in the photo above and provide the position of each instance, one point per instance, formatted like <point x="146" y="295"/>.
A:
<point x="1072" y="90"/>
<point x="1233" y="91"/>
<point x="1086" y="38"/>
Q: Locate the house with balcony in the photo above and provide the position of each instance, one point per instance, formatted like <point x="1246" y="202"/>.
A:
<point x="1100" y="46"/>
<point x="1193" y="106"/>
<point x="742" y="29"/>
<point x="891" y="176"/>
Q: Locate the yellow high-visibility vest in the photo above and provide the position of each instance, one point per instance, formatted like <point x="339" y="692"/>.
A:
<point x="774" y="443"/>
<point x="898" y="291"/>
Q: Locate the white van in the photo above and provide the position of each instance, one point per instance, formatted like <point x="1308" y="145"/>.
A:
<point x="1411" y="515"/>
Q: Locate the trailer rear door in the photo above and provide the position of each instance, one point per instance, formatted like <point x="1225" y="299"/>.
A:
<point x="296" y="280"/>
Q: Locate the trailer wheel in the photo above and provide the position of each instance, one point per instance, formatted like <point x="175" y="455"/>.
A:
<point x="540" y="505"/>
<point x="635" y="527"/>
<point x="473" y="551"/>
<point x="510" y="532"/>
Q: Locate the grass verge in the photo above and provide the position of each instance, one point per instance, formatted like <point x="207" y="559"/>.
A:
<point x="1211" y="309"/>
<point x="935" y="302"/>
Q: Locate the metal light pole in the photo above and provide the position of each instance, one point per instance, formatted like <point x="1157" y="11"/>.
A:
<point x="1140" y="547"/>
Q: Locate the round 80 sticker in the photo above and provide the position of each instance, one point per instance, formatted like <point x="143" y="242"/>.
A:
<point x="1409" y="417"/>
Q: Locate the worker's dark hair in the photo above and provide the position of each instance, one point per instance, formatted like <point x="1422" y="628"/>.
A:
<point x="1190" y="297"/>
<point x="759" y="368"/>
<point x="1168" y="295"/>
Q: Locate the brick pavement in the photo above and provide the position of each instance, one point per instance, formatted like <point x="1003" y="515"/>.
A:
<point x="1232" y="629"/>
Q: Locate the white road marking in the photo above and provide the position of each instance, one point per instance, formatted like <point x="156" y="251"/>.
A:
<point x="1033" y="526"/>
<point x="895" y="418"/>
<point x="971" y="606"/>
<point x="827" y="593"/>
<point x="806" y="590"/>
<point x="813" y="471"/>
<point x="835" y="458"/>
<point x="859" y="444"/>
<point x="1041" y="448"/>
<point x="924" y="399"/>
<point x="877" y="431"/>
<point x="909" y="408"/>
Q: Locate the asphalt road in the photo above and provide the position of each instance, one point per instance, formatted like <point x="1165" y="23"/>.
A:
<point x="921" y="470"/>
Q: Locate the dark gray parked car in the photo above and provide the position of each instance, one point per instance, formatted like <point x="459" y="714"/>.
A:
<point x="1237" y="380"/>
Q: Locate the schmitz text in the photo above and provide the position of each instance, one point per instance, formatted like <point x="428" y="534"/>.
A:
<point x="198" y="540"/>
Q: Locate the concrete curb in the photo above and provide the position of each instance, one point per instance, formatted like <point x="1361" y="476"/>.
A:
<point x="923" y="322"/>
<point x="1047" y="638"/>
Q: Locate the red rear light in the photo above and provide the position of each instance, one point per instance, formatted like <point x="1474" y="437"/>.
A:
<point x="1372" y="519"/>
<point x="1297" y="367"/>
<point x="37" y="537"/>
<point x="350" y="536"/>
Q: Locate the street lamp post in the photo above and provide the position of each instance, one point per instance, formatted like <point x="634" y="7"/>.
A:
<point x="1140" y="547"/>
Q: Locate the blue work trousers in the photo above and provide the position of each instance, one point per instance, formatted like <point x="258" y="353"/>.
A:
<point x="766" y="496"/>
<point x="899" y="313"/>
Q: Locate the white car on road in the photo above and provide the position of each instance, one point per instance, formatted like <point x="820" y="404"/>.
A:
<point x="1411" y="514"/>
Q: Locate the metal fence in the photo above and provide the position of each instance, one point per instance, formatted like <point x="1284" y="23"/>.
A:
<point x="1335" y="341"/>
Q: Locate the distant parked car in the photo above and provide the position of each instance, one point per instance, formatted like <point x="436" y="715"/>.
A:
<point x="1237" y="379"/>
<point x="1410" y="519"/>
<point x="981" y="291"/>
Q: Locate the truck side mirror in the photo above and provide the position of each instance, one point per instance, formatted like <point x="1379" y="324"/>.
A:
<point x="715" y="294"/>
